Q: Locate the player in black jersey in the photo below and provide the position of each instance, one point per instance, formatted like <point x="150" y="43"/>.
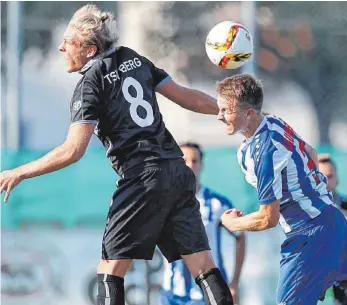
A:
<point x="154" y="203"/>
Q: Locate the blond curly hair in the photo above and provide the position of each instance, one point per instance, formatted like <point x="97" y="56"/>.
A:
<point x="95" y="27"/>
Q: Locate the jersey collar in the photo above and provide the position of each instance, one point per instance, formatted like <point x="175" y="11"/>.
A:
<point x="87" y="66"/>
<point x="261" y="125"/>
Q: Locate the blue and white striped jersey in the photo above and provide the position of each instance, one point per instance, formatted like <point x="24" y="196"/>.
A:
<point x="177" y="278"/>
<point x="277" y="164"/>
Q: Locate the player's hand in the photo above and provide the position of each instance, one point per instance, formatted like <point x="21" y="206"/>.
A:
<point x="234" y="289"/>
<point x="233" y="213"/>
<point x="9" y="179"/>
<point x="228" y="215"/>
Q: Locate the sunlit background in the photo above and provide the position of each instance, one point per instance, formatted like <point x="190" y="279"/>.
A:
<point x="52" y="226"/>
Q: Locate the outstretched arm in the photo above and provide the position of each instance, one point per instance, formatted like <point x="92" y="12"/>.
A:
<point x="271" y="158"/>
<point x="240" y="251"/>
<point x="265" y="218"/>
<point x="190" y="99"/>
<point x="64" y="155"/>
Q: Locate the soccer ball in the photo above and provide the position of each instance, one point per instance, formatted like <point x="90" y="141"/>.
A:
<point x="229" y="45"/>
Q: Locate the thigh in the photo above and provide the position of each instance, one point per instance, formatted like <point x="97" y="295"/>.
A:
<point x="136" y="217"/>
<point x="308" y="268"/>
<point x="184" y="232"/>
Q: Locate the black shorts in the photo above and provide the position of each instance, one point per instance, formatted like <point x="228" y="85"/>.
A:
<point x="155" y="206"/>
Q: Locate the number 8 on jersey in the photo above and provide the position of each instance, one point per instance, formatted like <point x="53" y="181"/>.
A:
<point x="136" y="102"/>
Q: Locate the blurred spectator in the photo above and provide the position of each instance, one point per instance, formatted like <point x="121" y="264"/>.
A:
<point x="178" y="287"/>
<point x="328" y="167"/>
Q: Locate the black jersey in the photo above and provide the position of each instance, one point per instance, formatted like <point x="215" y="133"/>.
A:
<point x="117" y="93"/>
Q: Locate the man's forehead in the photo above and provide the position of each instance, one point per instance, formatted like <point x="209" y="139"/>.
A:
<point x="226" y="103"/>
<point x="327" y="166"/>
<point x="70" y="33"/>
<point x="221" y="100"/>
<point x="190" y="152"/>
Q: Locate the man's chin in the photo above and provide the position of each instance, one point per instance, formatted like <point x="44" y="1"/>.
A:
<point x="230" y="132"/>
<point x="70" y="69"/>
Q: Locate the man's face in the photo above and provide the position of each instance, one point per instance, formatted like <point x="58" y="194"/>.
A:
<point x="76" y="55"/>
<point x="193" y="160"/>
<point x="329" y="171"/>
<point x="232" y="115"/>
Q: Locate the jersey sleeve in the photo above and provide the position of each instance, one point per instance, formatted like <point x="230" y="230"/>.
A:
<point x="86" y="102"/>
<point x="160" y="76"/>
<point x="270" y="161"/>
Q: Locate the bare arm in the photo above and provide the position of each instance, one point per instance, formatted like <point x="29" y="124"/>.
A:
<point x="190" y="99"/>
<point x="64" y="155"/>
<point x="240" y="251"/>
<point x="265" y="218"/>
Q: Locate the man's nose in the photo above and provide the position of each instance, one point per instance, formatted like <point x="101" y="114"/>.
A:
<point x="62" y="47"/>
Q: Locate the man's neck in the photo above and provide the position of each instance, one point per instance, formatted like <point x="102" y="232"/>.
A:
<point x="90" y="61"/>
<point x="253" y="126"/>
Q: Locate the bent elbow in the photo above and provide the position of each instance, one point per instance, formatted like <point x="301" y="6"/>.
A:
<point x="271" y="222"/>
<point x="74" y="155"/>
<point x="78" y="155"/>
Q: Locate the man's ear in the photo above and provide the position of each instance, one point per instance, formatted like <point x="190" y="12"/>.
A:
<point x="91" y="51"/>
<point x="250" y="113"/>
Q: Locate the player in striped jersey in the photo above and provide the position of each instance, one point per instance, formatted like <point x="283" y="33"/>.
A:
<point x="327" y="166"/>
<point x="291" y="190"/>
<point x="178" y="286"/>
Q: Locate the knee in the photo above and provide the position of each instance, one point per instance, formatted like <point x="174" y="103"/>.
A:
<point x="117" y="267"/>
<point x="199" y="270"/>
<point x="199" y="263"/>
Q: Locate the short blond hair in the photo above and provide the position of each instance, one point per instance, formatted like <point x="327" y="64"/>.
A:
<point x="95" y="27"/>
<point x="244" y="88"/>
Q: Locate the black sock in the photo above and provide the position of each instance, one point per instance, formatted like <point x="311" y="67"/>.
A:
<point x="214" y="288"/>
<point x="110" y="290"/>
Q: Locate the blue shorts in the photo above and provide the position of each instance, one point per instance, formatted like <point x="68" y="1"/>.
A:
<point x="313" y="259"/>
<point x="168" y="298"/>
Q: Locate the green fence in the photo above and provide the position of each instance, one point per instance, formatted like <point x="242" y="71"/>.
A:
<point x="80" y="194"/>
